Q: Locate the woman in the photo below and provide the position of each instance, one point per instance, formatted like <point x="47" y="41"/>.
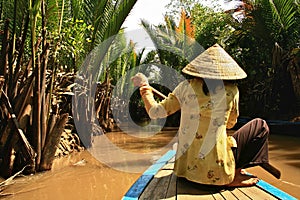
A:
<point x="209" y="105"/>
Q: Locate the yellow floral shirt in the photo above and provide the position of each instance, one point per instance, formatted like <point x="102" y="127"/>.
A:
<point x="204" y="152"/>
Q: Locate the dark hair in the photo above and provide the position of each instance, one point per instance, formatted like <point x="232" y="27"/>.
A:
<point x="213" y="84"/>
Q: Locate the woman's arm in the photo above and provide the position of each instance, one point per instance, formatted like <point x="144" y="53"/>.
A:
<point x="160" y="109"/>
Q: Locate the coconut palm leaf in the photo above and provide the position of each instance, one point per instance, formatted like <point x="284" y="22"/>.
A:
<point x="122" y="10"/>
<point x="278" y="16"/>
<point x="53" y="14"/>
<point x="76" y="8"/>
<point x="174" y="47"/>
<point x="105" y="16"/>
<point x="164" y="39"/>
<point x="98" y="14"/>
<point x="283" y="12"/>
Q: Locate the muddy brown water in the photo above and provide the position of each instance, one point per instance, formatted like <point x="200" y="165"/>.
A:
<point x="82" y="176"/>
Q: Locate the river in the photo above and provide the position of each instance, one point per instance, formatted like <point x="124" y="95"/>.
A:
<point x="82" y="176"/>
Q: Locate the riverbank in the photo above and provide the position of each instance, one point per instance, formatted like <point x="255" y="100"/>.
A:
<point x="81" y="176"/>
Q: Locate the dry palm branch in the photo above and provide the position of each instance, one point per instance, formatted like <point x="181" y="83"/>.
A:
<point x="30" y="153"/>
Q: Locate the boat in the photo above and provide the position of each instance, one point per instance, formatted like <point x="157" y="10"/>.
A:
<point x="159" y="182"/>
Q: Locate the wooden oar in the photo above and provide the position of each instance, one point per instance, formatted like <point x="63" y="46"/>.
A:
<point x="158" y="93"/>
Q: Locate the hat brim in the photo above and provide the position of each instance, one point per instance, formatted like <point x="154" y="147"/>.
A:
<point x="215" y="63"/>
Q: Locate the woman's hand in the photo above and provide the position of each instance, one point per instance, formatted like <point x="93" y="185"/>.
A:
<point x="140" y="80"/>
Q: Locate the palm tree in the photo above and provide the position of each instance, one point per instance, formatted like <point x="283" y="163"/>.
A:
<point x="175" y="45"/>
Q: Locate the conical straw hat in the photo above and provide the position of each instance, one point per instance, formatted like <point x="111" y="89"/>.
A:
<point x="215" y="63"/>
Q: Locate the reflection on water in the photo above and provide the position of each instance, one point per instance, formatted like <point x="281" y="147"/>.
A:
<point x="81" y="176"/>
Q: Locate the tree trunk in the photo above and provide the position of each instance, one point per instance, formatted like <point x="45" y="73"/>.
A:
<point x="52" y="142"/>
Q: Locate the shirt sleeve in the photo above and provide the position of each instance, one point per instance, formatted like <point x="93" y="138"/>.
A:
<point x="160" y="109"/>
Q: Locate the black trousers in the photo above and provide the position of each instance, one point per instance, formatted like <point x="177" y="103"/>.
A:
<point x="252" y="144"/>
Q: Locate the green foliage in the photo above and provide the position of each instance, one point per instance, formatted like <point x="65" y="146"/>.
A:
<point x="54" y="12"/>
<point x="74" y="27"/>
<point x="106" y="17"/>
<point x="211" y="27"/>
<point x="7" y="12"/>
<point x="123" y="62"/>
<point x="278" y="18"/>
<point x="74" y="40"/>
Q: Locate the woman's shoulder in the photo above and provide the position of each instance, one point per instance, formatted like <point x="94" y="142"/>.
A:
<point x="187" y="86"/>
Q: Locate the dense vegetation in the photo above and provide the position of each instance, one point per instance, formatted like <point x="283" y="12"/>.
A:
<point x="43" y="44"/>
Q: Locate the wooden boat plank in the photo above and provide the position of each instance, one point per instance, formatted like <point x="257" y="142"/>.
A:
<point x="139" y="186"/>
<point x="189" y="190"/>
<point x="239" y="194"/>
<point x="172" y="190"/>
<point x="256" y="193"/>
<point x="196" y="197"/>
<point x="157" y="188"/>
<point x="226" y="194"/>
<point x="217" y="196"/>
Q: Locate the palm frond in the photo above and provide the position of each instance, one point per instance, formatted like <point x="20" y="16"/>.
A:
<point x="97" y="13"/>
<point x="76" y="8"/>
<point x="15" y="11"/>
<point x="151" y="32"/>
<point x="122" y="10"/>
<point x="103" y="15"/>
<point x="172" y="42"/>
<point x="283" y="12"/>
<point x="53" y="13"/>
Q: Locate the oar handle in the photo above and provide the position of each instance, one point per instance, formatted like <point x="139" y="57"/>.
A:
<point x="158" y="93"/>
